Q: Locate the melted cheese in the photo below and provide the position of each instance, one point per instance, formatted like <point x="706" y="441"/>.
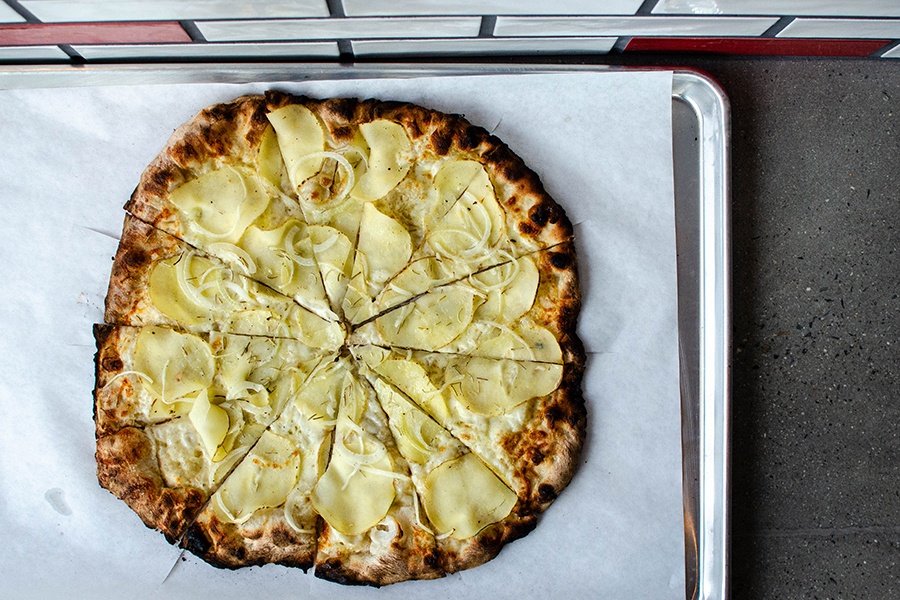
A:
<point x="462" y="496"/>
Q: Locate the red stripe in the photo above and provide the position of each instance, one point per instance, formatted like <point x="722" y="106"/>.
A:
<point x="91" y="33"/>
<point x="758" y="46"/>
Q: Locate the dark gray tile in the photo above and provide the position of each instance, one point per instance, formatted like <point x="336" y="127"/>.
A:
<point x="841" y="565"/>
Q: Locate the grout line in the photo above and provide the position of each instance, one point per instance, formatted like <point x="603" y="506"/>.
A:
<point x="190" y="27"/>
<point x="487" y="26"/>
<point x="345" y="51"/>
<point x="777" y="28"/>
<point x="885" y="49"/>
<point x="23" y="12"/>
<point x="620" y="44"/>
<point x="68" y="49"/>
<point x="818" y="532"/>
<point x="336" y="9"/>
<point x="646" y="7"/>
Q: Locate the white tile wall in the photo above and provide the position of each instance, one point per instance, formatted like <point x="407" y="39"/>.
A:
<point x="485" y="46"/>
<point x="319" y="29"/>
<point x="51" y="11"/>
<point x="892" y="53"/>
<point x="842" y="28"/>
<point x="8" y="15"/>
<point x="270" y="50"/>
<point x="10" y="53"/>
<point x="829" y="8"/>
<point x="632" y="26"/>
<point x="360" y="8"/>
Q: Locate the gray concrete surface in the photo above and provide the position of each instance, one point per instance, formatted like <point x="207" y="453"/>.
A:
<point x="816" y="406"/>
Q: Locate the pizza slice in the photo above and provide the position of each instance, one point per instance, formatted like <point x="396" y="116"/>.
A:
<point x="175" y="412"/>
<point x="354" y="172"/>
<point x="488" y="210"/>
<point x="262" y="513"/>
<point x="524" y="309"/>
<point x="159" y="280"/>
<point x="371" y="533"/>
<point x="470" y="510"/>
<point x="219" y="186"/>
<point x="525" y="420"/>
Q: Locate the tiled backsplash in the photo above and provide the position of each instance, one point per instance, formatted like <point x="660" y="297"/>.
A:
<point x="135" y="30"/>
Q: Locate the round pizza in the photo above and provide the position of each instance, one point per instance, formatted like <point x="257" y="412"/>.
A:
<point x="340" y="334"/>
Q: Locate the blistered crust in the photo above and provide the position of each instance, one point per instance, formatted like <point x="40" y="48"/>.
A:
<point x="337" y="562"/>
<point x="230" y="546"/>
<point x="141" y="247"/>
<point x="127" y="466"/>
<point x="548" y="449"/>
<point x="558" y="299"/>
<point x="114" y="399"/>
<point x="222" y="134"/>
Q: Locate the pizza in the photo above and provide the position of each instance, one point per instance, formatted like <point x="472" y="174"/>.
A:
<point x="340" y="335"/>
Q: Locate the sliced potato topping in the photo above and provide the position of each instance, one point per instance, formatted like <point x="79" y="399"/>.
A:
<point x="430" y="322"/>
<point x="178" y="364"/>
<point x="219" y="205"/>
<point x="462" y="496"/>
<point x="300" y="134"/>
<point x="212" y="424"/>
<point x="263" y="479"/>
<point x="357" y="489"/>
<point x="389" y="160"/>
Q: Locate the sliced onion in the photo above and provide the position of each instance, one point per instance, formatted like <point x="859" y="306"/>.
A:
<point x="340" y="160"/>
<point x="290" y="241"/>
<point x="183" y="276"/>
<point x="241" y="256"/>
<point x="125" y="373"/>
<point x="293" y="499"/>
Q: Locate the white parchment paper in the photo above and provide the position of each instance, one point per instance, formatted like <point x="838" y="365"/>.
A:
<point x="602" y="143"/>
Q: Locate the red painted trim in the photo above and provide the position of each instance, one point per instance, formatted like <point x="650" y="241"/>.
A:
<point x="758" y="46"/>
<point x="91" y="33"/>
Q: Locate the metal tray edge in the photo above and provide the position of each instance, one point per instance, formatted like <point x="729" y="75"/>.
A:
<point x="709" y="103"/>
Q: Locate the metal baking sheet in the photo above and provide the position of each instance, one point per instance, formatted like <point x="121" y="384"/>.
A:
<point x="701" y="144"/>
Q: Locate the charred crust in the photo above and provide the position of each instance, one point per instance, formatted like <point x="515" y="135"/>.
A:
<point x="529" y="229"/>
<point x="508" y="164"/>
<point x="561" y="260"/>
<point x="333" y="570"/>
<point x="441" y="140"/>
<point x="545" y="212"/>
<point x="546" y="493"/>
<point x="343" y="109"/>
<point x="196" y="542"/>
<point x="469" y="138"/>
<point x="342" y="133"/>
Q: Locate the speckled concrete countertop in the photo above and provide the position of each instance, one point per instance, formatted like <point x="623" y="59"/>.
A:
<point x="816" y="258"/>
